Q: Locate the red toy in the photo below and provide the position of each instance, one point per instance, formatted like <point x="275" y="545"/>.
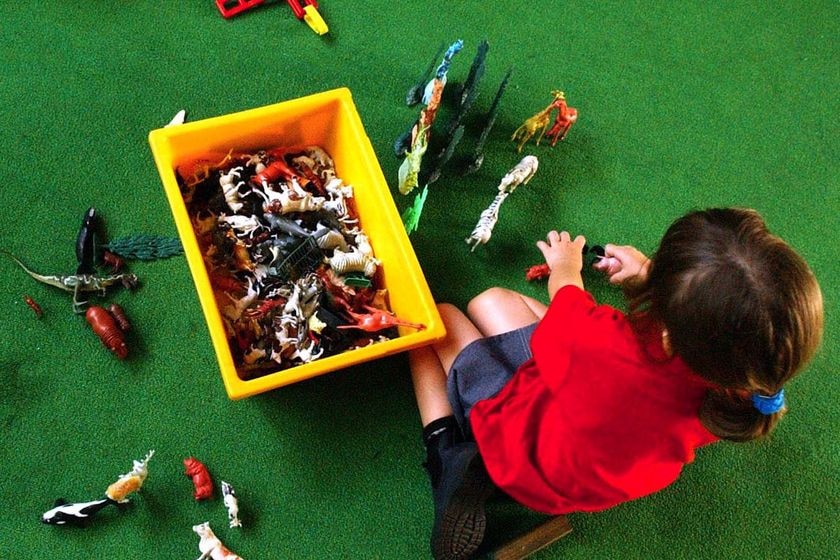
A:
<point x="377" y="320"/>
<point x="566" y="117"/>
<point x="200" y="478"/>
<point x="537" y="272"/>
<point x="113" y="260"/>
<point x="277" y="169"/>
<point x="230" y="8"/>
<point x="120" y="317"/>
<point x="107" y="330"/>
<point x="34" y="306"/>
<point x="305" y="10"/>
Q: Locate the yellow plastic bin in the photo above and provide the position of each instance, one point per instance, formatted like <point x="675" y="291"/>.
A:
<point x="328" y="120"/>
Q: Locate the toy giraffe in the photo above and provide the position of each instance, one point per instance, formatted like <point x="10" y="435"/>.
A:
<point x="566" y="117"/>
<point x="538" y="122"/>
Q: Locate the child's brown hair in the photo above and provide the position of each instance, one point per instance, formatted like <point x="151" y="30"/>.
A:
<point x="740" y="307"/>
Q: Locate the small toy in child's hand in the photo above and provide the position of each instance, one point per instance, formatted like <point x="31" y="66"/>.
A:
<point x="200" y="476"/>
<point x="541" y="271"/>
<point x="33" y="306"/>
<point x="79" y="513"/>
<point x="210" y="546"/>
<point x="521" y="174"/>
<point x="130" y="482"/>
<point x="232" y="504"/>
<point x="106" y="328"/>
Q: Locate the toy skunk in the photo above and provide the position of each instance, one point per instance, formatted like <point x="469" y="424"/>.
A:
<point x="74" y="514"/>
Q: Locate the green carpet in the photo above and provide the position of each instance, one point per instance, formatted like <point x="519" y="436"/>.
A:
<point x="682" y="105"/>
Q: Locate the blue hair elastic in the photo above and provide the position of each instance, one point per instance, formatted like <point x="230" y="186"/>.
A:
<point x="768" y="405"/>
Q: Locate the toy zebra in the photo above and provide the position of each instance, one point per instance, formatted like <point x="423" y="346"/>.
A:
<point x="519" y="175"/>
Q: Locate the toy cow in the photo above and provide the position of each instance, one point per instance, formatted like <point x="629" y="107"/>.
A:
<point x="210" y="545"/>
<point x="200" y="477"/>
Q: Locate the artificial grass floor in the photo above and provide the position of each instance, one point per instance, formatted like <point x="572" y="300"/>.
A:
<point x="681" y="106"/>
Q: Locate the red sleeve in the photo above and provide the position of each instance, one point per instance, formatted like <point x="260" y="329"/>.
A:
<point x="571" y="322"/>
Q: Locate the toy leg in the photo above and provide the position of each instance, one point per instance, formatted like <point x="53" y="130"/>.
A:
<point x="498" y="310"/>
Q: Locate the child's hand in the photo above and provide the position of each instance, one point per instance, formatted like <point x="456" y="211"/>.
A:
<point x="623" y="265"/>
<point x="564" y="258"/>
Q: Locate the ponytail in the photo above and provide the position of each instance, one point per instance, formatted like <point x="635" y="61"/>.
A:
<point x="733" y="416"/>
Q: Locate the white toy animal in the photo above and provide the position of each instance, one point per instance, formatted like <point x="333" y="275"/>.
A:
<point x="130" y="481"/>
<point x="231" y="504"/>
<point x="210" y="545"/>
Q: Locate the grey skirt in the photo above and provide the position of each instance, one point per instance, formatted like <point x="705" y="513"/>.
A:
<point x="483" y="367"/>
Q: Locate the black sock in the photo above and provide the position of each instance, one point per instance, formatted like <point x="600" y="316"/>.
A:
<point x="440" y="431"/>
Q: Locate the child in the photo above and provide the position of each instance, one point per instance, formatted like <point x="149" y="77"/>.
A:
<point x="579" y="407"/>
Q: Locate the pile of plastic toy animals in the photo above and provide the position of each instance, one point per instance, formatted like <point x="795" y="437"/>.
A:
<point x="293" y="272"/>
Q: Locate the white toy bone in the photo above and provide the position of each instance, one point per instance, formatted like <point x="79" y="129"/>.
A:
<point x="232" y="504"/>
<point x="130" y="481"/>
<point x="354" y="261"/>
<point x="210" y="545"/>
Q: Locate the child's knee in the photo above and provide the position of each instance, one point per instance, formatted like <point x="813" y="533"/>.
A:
<point x="491" y="297"/>
<point x="447" y="311"/>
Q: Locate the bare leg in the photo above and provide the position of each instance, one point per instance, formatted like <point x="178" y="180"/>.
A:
<point x="429" y="384"/>
<point x="498" y="310"/>
<point x="430" y="365"/>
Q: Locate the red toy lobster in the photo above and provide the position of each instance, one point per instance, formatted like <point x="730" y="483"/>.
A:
<point x="200" y="478"/>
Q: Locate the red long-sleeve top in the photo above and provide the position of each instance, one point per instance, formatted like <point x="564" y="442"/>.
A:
<point x="594" y="419"/>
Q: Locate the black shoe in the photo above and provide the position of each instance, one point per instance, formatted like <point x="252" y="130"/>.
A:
<point x="459" y="497"/>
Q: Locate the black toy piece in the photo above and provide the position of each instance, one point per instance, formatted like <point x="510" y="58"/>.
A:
<point x="444" y="156"/>
<point x="478" y="153"/>
<point x="86" y="242"/>
<point x="64" y="513"/>
<point x="469" y="91"/>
